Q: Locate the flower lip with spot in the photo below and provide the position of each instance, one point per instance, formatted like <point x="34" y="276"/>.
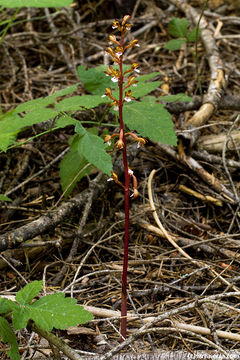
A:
<point x="128" y="96"/>
<point x="116" y="25"/>
<point x="114" y="79"/>
<point x="119" y="51"/>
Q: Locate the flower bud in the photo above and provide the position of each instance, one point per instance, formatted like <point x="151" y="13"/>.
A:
<point x="131" y="44"/>
<point x="107" y="138"/>
<point x="119" y="144"/>
<point x="110" y="51"/>
<point x="135" y="193"/>
<point x="131" y="81"/>
<point x="125" y="19"/>
<point x="113" y="39"/>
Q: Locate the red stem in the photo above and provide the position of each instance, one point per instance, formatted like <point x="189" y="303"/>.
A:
<point x="126" y="239"/>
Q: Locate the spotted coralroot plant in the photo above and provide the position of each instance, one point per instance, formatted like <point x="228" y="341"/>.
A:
<point x="125" y="79"/>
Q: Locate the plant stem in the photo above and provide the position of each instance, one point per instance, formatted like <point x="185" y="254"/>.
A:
<point x="126" y="238"/>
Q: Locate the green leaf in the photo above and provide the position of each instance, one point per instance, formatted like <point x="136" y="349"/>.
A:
<point x="178" y="27"/>
<point x="176" y="98"/>
<point x="51" y="311"/>
<point x="94" y="79"/>
<point x="143" y="89"/>
<point x="34" y="3"/>
<point x="66" y="120"/>
<point x="145" y="77"/>
<point x="150" y="120"/>
<point x="32" y="112"/>
<point x="71" y="165"/>
<point x="149" y="99"/>
<point x="6" y="305"/>
<point x="5" y="198"/>
<point x="28" y="293"/>
<point x="193" y="35"/>
<point x="174" y="44"/>
<point x="78" y="102"/>
<point x="93" y="148"/>
<point x="8" y="336"/>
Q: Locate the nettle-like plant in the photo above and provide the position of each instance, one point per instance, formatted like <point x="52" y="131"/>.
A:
<point x="45" y="313"/>
<point x="180" y="29"/>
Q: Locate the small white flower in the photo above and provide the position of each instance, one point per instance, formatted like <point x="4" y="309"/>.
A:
<point x="127" y="99"/>
<point x="114" y="79"/>
<point x="138" y="145"/>
<point x="137" y="70"/>
<point x="130" y="172"/>
<point x="110" y="179"/>
<point x="109" y="142"/>
<point x="115" y="108"/>
<point x="135" y="85"/>
<point x="137" y="45"/>
<point x="103" y="95"/>
<point x="114" y="27"/>
<point x="118" y="53"/>
<point x="107" y="75"/>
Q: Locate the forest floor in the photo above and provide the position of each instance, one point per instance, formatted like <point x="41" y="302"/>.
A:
<point x="184" y="282"/>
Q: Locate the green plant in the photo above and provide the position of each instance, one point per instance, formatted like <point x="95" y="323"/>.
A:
<point x="34" y="3"/>
<point x="47" y="312"/>
<point x="147" y="116"/>
<point x="179" y="28"/>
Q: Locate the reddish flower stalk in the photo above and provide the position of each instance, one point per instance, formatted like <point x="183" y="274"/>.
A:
<point x="118" y="76"/>
<point x="126" y="174"/>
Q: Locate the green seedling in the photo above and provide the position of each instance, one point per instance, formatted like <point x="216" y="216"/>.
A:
<point x="47" y="312"/>
<point x="180" y="29"/>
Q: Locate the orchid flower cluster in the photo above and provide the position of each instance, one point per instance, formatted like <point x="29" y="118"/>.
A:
<point x="125" y="80"/>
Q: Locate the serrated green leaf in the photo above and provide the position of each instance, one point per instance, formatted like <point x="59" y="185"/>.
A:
<point x="193" y="35"/>
<point x="78" y="102"/>
<point x="71" y="165"/>
<point x="28" y="293"/>
<point x="146" y="77"/>
<point x="34" y="3"/>
<point x="143" y="89"/>
<point x="178" y="27"/>
<point x="7" y="335"/>
<point x="66" y="120"/>
<point x="35" y="112"/>
<point x="150" y="120"/>
<point x="174" y="44"/>
<point x="36" y="116"/>
<point x="32" y="105"/>
<point x="6" y="139"/>
<point x="93" y="148"/>
<point x="149" y="99"/>
<point x="79" y="129"/>
<point x="6" y="305"/>
<point x="94" y="79"/>
<point x="5" y="198"/>
<point x="174" y="98"/>
<point x="51" y="311"/>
